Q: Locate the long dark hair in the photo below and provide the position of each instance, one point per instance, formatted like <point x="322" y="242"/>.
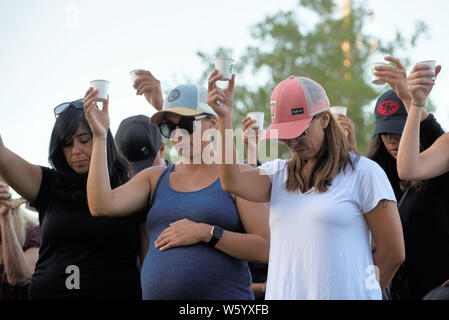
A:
<point x="378" y="153"/>
<point x="72" y="186"/>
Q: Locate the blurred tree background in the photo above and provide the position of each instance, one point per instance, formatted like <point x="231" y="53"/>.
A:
<point x="335" y="51"/>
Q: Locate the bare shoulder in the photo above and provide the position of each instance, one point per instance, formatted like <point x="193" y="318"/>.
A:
<point x="151" y="174"/>
<point x="244" y="166"/>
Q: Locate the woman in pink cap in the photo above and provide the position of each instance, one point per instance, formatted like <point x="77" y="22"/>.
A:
<point x="326" y="202"/>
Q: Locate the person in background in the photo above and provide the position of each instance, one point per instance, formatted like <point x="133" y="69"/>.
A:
<point x="325" y="203"/>
<point x="259" y="271"/>
<point x="421" y="150"/>
<point x="140" y="142"/>
<point x="80" y="257"/>
<point x="19" y="246"/>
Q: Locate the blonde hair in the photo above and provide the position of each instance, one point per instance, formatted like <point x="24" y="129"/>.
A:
<point x="332" y="158"/>
<point x="23" y="222"/>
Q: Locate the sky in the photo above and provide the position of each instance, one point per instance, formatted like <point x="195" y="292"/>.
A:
<point x="50" y="51"/>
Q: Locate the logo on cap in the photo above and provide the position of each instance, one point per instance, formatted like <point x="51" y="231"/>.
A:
<point x="173" y="95"/>
<point x="297" y="111"/>
<point x="388" y="107"/>
<point x="273" y="109"/>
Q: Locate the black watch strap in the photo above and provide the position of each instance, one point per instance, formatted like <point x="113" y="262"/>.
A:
<point x="217" y="233"/>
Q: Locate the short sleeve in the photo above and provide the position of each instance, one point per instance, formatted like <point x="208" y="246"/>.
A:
<point x="32" y="239"/>
<point x="372" y="184"/>
<point x="271" y="168"/>
<point x="46" y="189"/>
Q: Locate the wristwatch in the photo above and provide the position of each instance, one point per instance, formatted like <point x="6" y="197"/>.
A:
<point x="217" y="234"/>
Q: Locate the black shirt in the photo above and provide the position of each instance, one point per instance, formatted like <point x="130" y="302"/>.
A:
<point x="425" y="221"/>
<point x="104" y="250"/>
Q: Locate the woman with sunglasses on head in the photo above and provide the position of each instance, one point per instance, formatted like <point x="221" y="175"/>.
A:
<point x="200" y="235"/>
<point x="325" y="202"/>
<point x="410" y="145"/>
<point x="80" y="257"/>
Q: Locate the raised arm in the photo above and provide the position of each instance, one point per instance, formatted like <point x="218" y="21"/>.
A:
<point x="397" y="79"/>
<point x="435" y="160"/>
<point x="103" y="201"/>
<point x="150" y="87"/>
<point x="248" y="184"/>
<point x="24" y="177"/>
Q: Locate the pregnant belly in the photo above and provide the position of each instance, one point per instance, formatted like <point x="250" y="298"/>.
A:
<point x="194" y="272"/>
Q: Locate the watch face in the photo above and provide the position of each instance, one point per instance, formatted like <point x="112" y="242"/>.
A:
<point x="217" y="232"/>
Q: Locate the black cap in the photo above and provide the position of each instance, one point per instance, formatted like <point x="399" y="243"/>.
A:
<point x="138" y="141"/>
<point x="390" y="114"/>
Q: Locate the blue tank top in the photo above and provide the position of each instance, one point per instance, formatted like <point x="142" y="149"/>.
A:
<point x="197" y="271"/>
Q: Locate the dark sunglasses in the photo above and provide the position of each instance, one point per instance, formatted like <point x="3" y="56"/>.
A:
<point x="187" y="123"/>
<point x="304" y="134"/>
<point x="79" y="104"/>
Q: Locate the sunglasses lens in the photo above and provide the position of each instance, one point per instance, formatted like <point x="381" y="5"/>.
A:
<point x="186" y="123"/>
<point x="166" y="128"/>
<point x="79" y="104"/>
<point x="61" y="108"/>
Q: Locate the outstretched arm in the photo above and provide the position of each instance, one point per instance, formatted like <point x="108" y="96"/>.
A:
<point x="24" y="177"/>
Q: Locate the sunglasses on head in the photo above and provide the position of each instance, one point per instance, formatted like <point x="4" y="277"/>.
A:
<point x="304" y="134"/>
<point x="187" y="123"/>
<point x="79" y="104"/>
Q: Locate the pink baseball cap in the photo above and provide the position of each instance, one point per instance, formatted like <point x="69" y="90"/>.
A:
<point x="293" y="103"/>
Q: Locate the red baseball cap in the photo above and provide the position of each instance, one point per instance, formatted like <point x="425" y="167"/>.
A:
<point x="294" y="102"/>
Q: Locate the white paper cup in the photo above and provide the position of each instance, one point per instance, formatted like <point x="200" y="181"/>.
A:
<point x="103" y="89"/>
<point x="259" y="117"/>
<point x="375" y="80"/>
<point x="432" y="64"/>
<point x="339" y="110"/>
<point x="224" y="65"/>
<point x="133" y="75"/>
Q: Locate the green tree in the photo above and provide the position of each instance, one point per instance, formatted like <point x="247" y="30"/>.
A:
<point x="335" y="51"/>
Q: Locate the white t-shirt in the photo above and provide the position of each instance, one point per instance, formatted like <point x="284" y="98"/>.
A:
<point x="320" y="243"/>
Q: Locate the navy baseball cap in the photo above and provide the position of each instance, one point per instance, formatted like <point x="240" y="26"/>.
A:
<point x="138" y="141"/>
<point x="390" y="114"/>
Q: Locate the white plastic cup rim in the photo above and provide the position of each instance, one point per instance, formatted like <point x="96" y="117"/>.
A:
<point x="258" y="116"/>
<point x="224" y="58"/>
<point x="380" y="64"/>
<point x="99" y="80"/>
<point x="428" y="62"/>
<point x="339" y="110"/>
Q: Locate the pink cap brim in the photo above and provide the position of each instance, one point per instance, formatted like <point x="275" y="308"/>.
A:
<point x="286" y="130"/>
